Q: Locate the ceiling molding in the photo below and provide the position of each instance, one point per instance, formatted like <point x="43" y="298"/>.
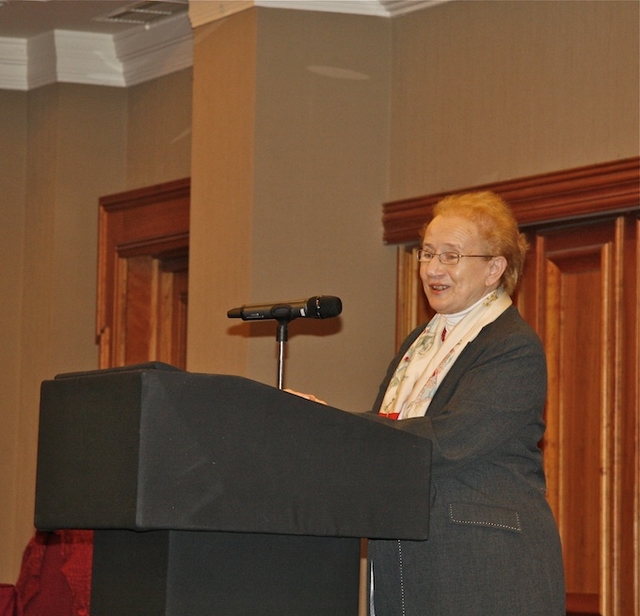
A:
<point x="165" y="48"/>
<point x="142" y="53"/>
<point x="401" y="7"/>
<point x="86" y="58"/>
<point x="201" y="13"/>
<point x="380" y="8"/>
<point x="125" y="59"/>
<point x="13" y="64"/>
<point x="40" y="60"/>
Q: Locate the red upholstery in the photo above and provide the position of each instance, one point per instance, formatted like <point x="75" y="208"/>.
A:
<point x="55" y="578"/>
<point x="7" y="600"/>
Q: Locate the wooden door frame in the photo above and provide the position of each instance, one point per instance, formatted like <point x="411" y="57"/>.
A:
<point x="147" y="222"/>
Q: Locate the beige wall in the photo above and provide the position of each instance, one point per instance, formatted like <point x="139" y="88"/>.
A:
<point x="321" y="175"/>
<point x="486" y="91"/>
<point x="64" y="146"/>
<point x="221" y="189"/>
<point x="298" y="138"/>
<point x="159" y="130"/>
<point x="13" y="164"/>
<point x="286" y="196"/>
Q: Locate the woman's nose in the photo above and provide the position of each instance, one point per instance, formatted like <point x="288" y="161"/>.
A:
<point x="433" y="267"/>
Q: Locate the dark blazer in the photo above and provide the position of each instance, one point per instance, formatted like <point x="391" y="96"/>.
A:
<point x="493" y="547"/>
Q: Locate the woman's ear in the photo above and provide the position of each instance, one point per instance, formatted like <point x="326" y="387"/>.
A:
<point x="497" y="265"/>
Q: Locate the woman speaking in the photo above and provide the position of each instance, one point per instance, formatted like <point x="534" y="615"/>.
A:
<point x="473" y="381"/>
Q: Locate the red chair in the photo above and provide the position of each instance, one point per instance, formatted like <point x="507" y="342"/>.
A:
<point x="55" y="577"/>
<point x="7" y="600"/>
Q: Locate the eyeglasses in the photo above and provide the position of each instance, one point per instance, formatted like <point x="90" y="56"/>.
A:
<point x="446" y="258"/>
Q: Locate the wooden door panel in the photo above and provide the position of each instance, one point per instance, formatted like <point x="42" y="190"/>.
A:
<point x="136" y="308"/>
<point x="172" y="312"/>
<point x="578" y="308"/>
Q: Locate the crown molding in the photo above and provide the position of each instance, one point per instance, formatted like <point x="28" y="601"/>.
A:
<point x="13" y="64"/>
<point x="380" y="8"/>
<point x="206" y="11"/>
<point x="87" y="59"/>
<point x="401" y="7"/>
<point x="144" y="53"/>
<point x="120" y="60"/>
<point x="41" y="60"/>
<point x="164" y="48"/>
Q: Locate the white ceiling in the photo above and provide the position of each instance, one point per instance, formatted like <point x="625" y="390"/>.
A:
<point x="44" y="41"/>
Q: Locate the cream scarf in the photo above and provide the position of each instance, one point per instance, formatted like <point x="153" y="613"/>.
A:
<point x="428" y="359"/>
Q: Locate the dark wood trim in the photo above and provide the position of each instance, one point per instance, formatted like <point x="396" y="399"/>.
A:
<point x="176" y="189"/>
<point x="160" y="247"/>
<point x="569" y="194"/>
<point x="147" y="222"/>
<point x="581" y="604"/>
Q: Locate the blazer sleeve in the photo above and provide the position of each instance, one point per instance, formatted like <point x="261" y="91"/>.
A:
<point x="494" y="394"/>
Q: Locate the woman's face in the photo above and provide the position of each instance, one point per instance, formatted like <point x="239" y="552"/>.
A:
<point x="453" y="288"/>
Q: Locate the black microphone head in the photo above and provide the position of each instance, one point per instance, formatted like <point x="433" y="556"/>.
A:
<point x="324" y="307"/>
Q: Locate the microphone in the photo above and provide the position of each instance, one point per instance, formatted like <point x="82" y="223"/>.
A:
<point x="318" y="307"/>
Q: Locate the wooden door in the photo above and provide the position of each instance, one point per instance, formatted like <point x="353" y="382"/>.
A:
<point x="581" y="292"/>
<point x="582" y="296"/>
<point x="143" y="275"/>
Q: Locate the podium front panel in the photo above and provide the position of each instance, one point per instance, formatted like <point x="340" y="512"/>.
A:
<point x="153" y="448"/>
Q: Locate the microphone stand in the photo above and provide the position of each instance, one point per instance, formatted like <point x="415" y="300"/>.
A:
<point x="319" y="307"/>
<point x="282" y="335"/>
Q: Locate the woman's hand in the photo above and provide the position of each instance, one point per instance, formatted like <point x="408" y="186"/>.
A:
<point x="305" y="396"/>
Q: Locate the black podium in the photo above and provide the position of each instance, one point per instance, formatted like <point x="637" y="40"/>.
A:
<point x="215" y="494"/>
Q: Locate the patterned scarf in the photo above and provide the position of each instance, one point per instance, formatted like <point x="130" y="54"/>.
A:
<point x="429" y="359"/>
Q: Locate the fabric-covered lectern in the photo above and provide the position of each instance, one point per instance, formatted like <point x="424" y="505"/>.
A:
<point x="215" y="494"/>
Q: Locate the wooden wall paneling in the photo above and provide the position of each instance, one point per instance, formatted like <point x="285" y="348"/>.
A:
<point x="173" y="305"/>
<point x="545" y="282"/>
<point x="580" y="281"/>
<point x="138" y="304"/>
<point x="625" y="575"/>
<point x="581" y="292"/>
<point x="590" y="329"/>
